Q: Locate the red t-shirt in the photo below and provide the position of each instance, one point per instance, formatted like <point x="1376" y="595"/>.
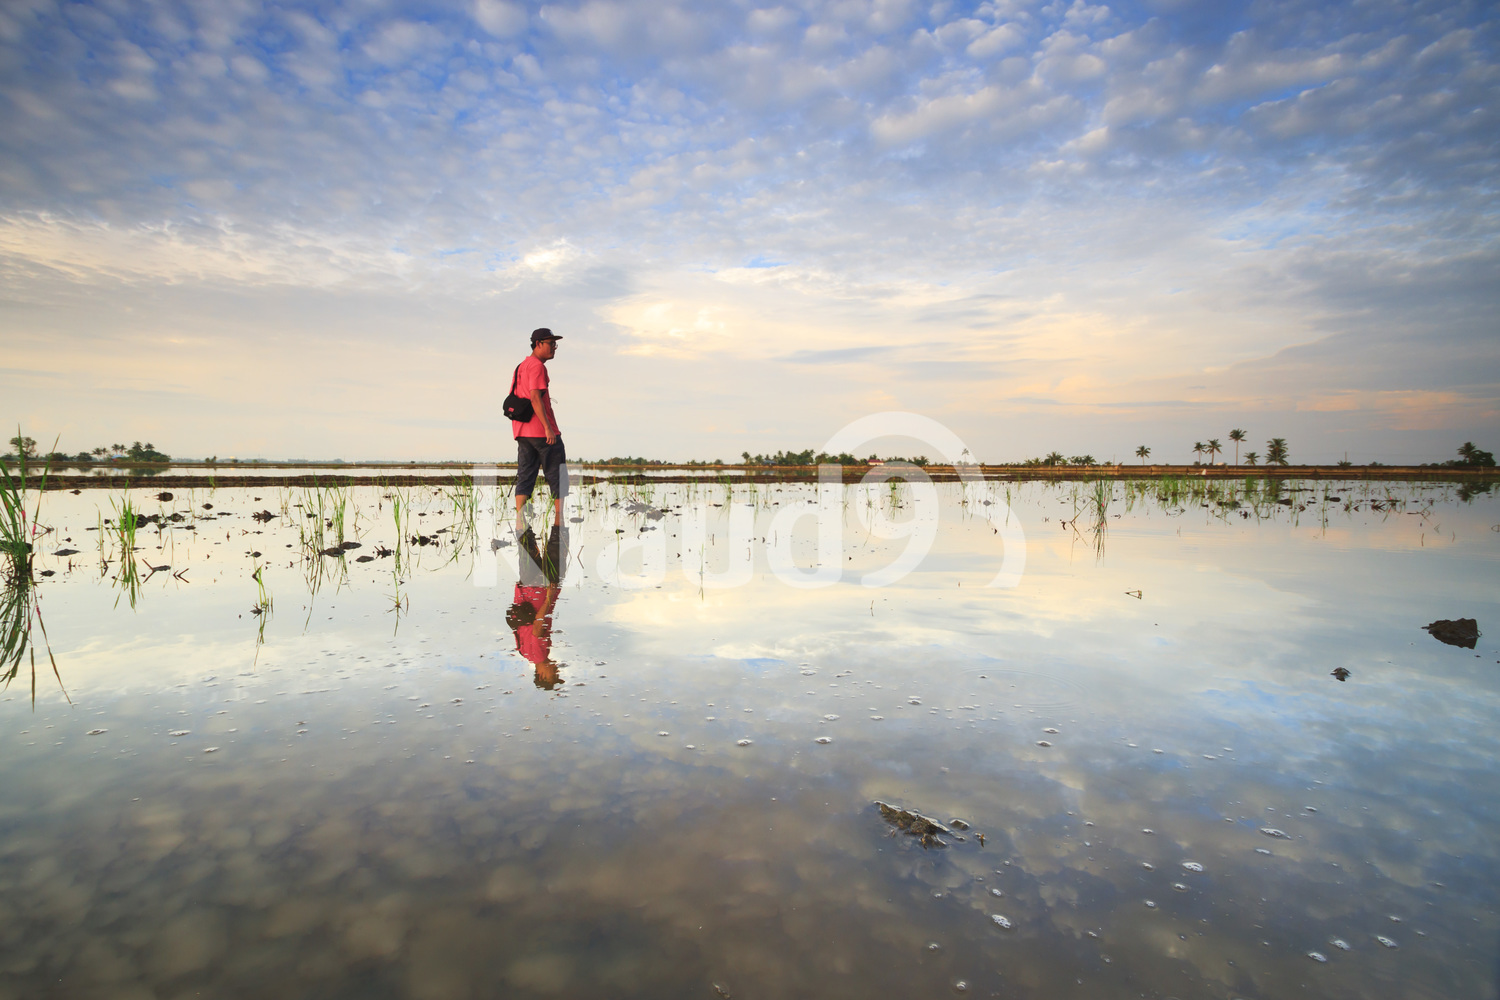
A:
<point x="533" y="643"/>
<point x="533" y="375"/>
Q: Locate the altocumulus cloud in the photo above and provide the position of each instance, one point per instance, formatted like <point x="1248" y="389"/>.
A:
<point x="1049" y="224"/>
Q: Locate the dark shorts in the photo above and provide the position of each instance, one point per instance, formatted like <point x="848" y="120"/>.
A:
<point x="533" y="455"/>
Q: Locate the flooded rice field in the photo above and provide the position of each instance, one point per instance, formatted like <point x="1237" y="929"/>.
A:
<point x="369" y="743"/>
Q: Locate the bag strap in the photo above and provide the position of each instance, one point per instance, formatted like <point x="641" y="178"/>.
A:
<point x="515" y="375"/>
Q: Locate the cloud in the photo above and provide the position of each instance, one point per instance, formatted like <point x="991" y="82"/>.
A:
<point x="1093" y="206"/>
<point x="500" y="17"/>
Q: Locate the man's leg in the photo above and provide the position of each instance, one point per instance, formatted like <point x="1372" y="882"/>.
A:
<point x="554" y="468"/>
<point x="528" y="462"/>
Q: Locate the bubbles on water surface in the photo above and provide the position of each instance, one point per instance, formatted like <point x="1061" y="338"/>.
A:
<point x="1339" y="943"/>
<point x="1001" y="922"/>
<point x="1150" y="904"/>
<point x="1317" y="956"/>
<point x="996" y="892"/>
<point x="830" y="717"/>
<point x="1386" y="942"/>
<point x="1148" y="866"/>
<point x="743" y="743"/>
<point x="1179" y="887"/>
<point x="823" y="739"/>
<point x="1192" y="866"/>
<point x="1271" y="831"/>
<point x="1043" y="743"/>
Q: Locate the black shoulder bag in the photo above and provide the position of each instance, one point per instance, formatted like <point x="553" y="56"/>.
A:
<point x="517" y="407"/>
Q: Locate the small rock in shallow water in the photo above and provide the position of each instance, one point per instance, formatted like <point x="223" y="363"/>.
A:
<point x="909" y="821"/>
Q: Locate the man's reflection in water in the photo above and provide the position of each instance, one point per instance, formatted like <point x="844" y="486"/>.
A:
<point x="530" y="617"/>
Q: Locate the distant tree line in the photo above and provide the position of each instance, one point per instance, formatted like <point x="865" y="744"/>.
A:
<point x="1470" y="457"/>
<point x="22" y="446"/>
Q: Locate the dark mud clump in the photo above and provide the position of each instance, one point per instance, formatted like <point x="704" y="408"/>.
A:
<point x="1458" y="632"/>
<point x="914" y="824"/>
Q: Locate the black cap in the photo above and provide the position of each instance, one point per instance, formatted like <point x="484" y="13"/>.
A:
<point x="540" y="334"/>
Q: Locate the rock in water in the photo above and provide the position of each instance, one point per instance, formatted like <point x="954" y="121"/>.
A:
<point x="1458" y="632"/>
<point x="914" y="824"/>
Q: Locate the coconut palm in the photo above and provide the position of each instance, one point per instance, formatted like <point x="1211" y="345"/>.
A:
<point x="1198" y="450"/>
<point x="1143" y="453"/>
<point x="1251" y="457"/>
<point x="1054" y="458"/>
<point x="1236" y="436"/>
<point x="1470" y="454"/>
<point x="1213" y="448"/>
<point x="1276" y="452"/>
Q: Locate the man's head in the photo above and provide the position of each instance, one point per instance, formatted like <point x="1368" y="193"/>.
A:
<point x="544" y="343"/>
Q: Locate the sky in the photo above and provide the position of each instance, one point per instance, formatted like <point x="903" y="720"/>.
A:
<point x="320" y="230"/>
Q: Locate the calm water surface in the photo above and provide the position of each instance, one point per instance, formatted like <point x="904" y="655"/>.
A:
<point x="398" y="783"/>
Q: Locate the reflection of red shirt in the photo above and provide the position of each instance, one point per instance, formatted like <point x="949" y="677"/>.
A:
<point x="535" y="647"/>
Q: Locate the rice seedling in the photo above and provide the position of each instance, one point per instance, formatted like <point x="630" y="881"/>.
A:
<point x="20" y="614"/>
<point x="263" y="609"/>
<point x="18" y="529"/>
<point x="128" y="578"/>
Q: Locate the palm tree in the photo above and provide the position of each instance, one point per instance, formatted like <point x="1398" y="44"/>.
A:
<point x="1236" y="436"/>
<point x="1198" y="450"/>
<point x="1213" y="448"/>
<point x="1276" y="452"/>
<point x="1470" y="454"/>
<point x="1054" y="458"/>
<point x="1143" y="453"/>
<point x="1251" y="457"/>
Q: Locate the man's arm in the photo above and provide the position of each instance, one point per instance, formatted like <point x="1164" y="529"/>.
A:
<point x="541" y="411"/>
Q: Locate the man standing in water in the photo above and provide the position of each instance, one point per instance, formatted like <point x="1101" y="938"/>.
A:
<point x="539" y="445"/>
